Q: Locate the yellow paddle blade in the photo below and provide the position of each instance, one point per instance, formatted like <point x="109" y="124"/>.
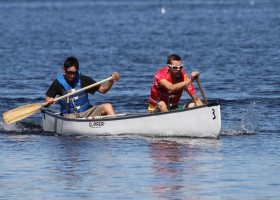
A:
<point x="21" y="112"/>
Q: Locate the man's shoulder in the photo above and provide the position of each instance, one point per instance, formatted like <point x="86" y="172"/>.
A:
<point x="161" y="72"/>
<point x="86" y="80"/>
<point x="56" y="82"/>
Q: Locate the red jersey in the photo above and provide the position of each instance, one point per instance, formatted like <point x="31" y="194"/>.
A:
<point x="159" y="93"/>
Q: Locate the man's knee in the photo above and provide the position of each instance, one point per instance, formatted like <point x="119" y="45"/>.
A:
<point x="107" y="106"/>
<point x="162" y="106"/>
<point x="107" y="109"/>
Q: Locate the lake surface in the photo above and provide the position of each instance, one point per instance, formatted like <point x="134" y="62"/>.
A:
<point x="233" y="44"/>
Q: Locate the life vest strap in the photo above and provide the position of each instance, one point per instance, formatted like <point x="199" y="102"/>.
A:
<point x="78" y="97"/>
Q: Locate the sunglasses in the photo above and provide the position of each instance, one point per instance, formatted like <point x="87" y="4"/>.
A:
<point x="71" y="72"/>
<point x="176" y="67"/>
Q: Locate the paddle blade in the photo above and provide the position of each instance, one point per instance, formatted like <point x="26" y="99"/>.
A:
<point x="21" y="112"/>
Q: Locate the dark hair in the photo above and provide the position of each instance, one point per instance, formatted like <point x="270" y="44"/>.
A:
<point x="173" y="57"/>
<point x="70" y="62"/>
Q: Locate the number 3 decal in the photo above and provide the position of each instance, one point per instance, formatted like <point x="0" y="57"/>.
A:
<point x="214" y="116"/>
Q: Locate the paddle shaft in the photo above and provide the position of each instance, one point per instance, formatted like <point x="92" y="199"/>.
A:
<point x="81" y="89"/>
<point x="201" y="91"/>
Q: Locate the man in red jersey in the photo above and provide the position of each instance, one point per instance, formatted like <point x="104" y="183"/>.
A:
<point x="169" y="83"/>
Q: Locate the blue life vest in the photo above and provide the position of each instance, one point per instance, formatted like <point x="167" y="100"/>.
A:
<point x="75" y="103"/>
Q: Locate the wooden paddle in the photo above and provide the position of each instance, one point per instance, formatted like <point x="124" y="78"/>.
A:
<point x="30" y="109"/>
<point x="201" y="91"/>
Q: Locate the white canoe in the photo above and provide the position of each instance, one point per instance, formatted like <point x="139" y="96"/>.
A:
<point x="203" y="121"/>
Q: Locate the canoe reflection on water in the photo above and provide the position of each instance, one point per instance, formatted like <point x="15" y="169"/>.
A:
<point x="174" y="157"/>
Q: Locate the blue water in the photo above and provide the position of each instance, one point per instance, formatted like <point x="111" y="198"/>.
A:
<point x="233" y="44"/>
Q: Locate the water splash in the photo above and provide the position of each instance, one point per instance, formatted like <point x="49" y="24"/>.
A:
<point x="21" y="127"/>
<point x="245" y="121"/>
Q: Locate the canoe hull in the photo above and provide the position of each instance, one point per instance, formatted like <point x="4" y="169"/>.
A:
<point x="204" y="121"/>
